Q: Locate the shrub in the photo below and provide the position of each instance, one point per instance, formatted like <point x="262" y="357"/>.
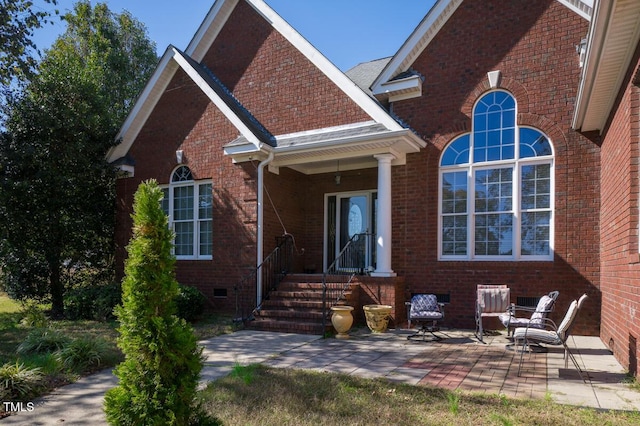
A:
<point x="33" y="316"/>
<point x="189" y="302"/>
<point x="18" y="381"/>
<point x="81" y="354"/>
<point x="42" y="340"/>
<point x="92" y="302"/>
<point x="159" y="375"/>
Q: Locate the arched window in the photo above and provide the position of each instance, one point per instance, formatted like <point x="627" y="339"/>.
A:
<point x="189" y="205"/>
<point x="496" y="188"/>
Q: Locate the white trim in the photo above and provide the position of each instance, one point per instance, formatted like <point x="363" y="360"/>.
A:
<point x="144" y="105"/>
<point x="196" y="219"/>
<point x="368" y="105"/>
<point x="217" y="100"/>
<point x="581" y="7"/>
<point x="416" y="43"/>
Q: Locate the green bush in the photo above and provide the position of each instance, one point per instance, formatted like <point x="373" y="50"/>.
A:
<point x="42" y="340"/>
<point x="19" y="382"/>
<point x="189" y="302"/>
<point x="92" y="302"/>
<point x="159" y="375"/>
<point x="33" y="316"/>
<point x="81" y="354"/>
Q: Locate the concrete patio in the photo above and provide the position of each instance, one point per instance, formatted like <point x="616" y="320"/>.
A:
<point x="458" y="362"/>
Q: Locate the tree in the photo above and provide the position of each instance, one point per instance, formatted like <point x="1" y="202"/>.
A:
<point x="56" y="188"/>
<point x="159" y="375"/>
<point x="18" y="20"/>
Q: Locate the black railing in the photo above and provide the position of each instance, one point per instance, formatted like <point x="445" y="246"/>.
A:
<point x="271" y="271"/>
<point x="337" y="279"/>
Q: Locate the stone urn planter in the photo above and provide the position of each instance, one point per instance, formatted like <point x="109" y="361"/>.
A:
<point x="377" y="317"/>
<point x="342" y="320"/>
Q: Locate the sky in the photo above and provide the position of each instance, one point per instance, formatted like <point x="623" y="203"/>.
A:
<point x="347" y="32"/>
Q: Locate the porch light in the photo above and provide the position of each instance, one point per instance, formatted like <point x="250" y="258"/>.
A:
<point x="337" y="177"/>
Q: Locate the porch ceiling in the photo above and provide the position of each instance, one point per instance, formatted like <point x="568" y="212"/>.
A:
<point x="319" y="151"/>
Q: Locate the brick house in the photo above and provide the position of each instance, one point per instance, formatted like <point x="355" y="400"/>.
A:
<point x="472" y="156"/>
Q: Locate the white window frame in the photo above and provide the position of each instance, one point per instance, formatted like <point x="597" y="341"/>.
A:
<point x="196" y="220"/>
<point x="516" y="165"/>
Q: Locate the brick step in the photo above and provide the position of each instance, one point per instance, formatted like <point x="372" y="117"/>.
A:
<point x="314" y="315"/>
<point x="285" y="326"/>
<point x="292" y="304"/>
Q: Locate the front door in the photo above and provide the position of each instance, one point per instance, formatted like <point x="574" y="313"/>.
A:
<point x="347" y="215"/>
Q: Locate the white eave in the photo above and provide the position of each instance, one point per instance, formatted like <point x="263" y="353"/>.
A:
<point x="383" y="86"/>
<point x="170" y="62"/>
<point x="317" y="151"/>
<point x="220" y="12"/>
<point x="613" y="37"/>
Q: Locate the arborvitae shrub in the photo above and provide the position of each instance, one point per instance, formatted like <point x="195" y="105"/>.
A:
<point x="159" y="375"/>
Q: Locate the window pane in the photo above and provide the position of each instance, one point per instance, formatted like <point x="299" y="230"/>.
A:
<point x="205" y="202"/>
<point x="536" y="227"/>
<point x="494" y="235"/>
<point x="533" y="143"/>
<point x="182" y="174"/>
<point x="457" y="152"/>
<point x="165" y="201"/>
<point x="206" y="238"/>
<point x="536" y="187"/>
<point x="454" y="235"/>
<point x="454" y="192"/>
<point x="493" y="190"/>
<point x="184" y="238"/>
<point x="183" y="203"/>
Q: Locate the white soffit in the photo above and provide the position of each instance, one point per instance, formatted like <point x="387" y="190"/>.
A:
<point x="583" y="8"/>
<point x="613" y="37"/>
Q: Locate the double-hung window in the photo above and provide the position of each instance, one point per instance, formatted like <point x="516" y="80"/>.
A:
<point x="496" y="188"/>
<point x="189" y="205"/>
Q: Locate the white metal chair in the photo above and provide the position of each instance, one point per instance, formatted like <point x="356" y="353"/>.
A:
<point x="491" y="301"/>
<point x="545" y="305"/>
<point x="551" y="335"/>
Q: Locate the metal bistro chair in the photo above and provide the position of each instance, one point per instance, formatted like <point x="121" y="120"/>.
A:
<point x="552" y="335"/>
<point x="426" y="311"/>
<point x="491" y="301"/>
<point x="545" y="305"/>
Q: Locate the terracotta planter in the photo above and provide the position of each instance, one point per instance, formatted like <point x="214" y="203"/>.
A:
<point x="377" y="317"/>
<point x="342" y="320"/>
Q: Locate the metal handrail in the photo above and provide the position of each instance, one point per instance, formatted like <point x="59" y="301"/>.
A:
<point x="273" y="269"/>
<point x="349" y="263"/>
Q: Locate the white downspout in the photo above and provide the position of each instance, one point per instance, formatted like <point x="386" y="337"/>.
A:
<point x="260" y="236"/>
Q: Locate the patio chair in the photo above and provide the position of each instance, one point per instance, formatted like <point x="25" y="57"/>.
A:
<point x="551" y="335"/>
<point x="425" y="310"/>
<point x="543" y="308"/>
<point x="491" y="301"/>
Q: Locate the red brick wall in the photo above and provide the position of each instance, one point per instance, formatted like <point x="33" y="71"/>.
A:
<point x="533" y="45"/>
<point x="274" y="81"/>
<point x="620" y="277"/>
<point x="287" y="94"/>
<point x="185" y="119"/>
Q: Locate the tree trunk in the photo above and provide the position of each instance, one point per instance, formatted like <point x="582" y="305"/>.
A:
<point x="57" y="292"/>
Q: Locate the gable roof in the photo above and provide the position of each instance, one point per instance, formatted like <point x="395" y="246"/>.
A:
<point x="189" y="61"/>
<point x="388" y="86"/>
<point x="613" y="36"/>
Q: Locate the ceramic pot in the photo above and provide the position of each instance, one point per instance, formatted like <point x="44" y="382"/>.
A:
<point x="342" y="320"/>
<point x="377" y="317"/>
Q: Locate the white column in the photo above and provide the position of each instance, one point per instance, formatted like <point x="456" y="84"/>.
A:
<point x="383" y="231"/>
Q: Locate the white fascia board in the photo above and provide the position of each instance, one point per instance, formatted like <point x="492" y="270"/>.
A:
<point x="579" y="6"/>
<point x="217" y="100"/>
<point x="209" y="29"/>
<point x="412" y="142"/>
<point x="144" y="105"/>
<point x="417" y="41"/>
<point x="371" y="107"/>
<point x="404" y="88"/>
<point x="595" y="43"/>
